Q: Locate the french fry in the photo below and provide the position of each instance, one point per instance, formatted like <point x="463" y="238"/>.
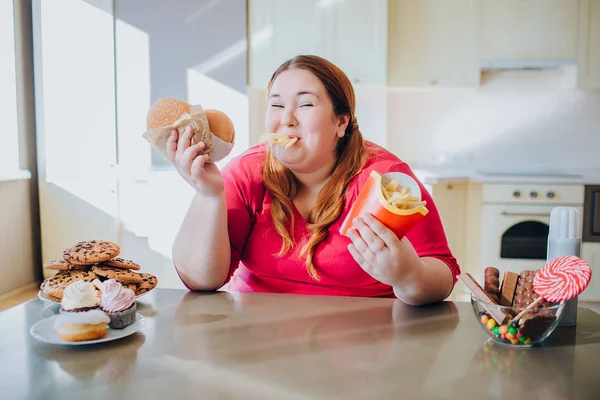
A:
<point x="283" y="140"/>
<point x="400" y="196"/>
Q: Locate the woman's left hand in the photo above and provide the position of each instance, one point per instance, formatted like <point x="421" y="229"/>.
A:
<point x="380" y="253"/>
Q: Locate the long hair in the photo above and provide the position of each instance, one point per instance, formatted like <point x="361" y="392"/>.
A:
<point x="350" y="158"/>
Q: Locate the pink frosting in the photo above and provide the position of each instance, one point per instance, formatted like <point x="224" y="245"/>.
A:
<point x="115" y="297"/>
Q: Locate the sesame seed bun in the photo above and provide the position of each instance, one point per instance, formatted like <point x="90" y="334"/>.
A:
<point x="165" y="112"/>
<point x="220" y="125"/>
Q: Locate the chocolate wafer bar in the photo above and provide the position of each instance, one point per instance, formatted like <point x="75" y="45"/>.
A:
<point x="524" y="293"/>
<point x="508" y="288"/>
<point x="488" y="303"/>
<point x="491" y="283"/>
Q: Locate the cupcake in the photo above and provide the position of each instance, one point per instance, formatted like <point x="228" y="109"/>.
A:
<point x="118" y="303"/>
<point x="81" y="326"/>
<point x="79" y="296"/>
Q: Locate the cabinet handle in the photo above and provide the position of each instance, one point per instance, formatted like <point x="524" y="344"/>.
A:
<point x="513" y="214"/>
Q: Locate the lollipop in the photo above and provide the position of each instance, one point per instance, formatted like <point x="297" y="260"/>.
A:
<point x="560" y="280"/>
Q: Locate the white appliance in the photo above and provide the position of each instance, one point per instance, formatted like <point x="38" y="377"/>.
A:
<point x="515" y="222"/>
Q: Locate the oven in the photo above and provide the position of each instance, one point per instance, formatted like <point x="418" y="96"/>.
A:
<point x="515" y="222"/>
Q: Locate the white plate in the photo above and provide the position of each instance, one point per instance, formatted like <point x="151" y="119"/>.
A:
<point x="44" y="330"/>
<point x="43" y="297"/>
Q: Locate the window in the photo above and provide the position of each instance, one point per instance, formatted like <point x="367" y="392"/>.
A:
<point x="99" y="66"/>
<point x="9" y="135"/>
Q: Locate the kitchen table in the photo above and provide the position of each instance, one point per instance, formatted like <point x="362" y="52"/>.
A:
<point x="228" y="345"/>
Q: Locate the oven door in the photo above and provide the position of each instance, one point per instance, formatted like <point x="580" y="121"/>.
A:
<point x="515" y="237"/>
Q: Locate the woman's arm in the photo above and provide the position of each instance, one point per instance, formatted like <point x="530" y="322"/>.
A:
<point x="429" y="282"/>
<point x="201" y="251"/>
<point x="415" y="280"/>
<point x="420" y="267"/>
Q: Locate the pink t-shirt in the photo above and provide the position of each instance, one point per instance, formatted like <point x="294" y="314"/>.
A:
<point x="255" y="242"/>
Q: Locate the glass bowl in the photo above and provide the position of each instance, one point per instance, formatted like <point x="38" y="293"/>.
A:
<point x="531" y="329"/>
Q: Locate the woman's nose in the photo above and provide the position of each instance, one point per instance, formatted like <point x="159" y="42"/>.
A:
<point x="288" y="119"/>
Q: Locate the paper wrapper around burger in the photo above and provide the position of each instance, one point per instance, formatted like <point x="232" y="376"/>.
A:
<point x="372" y="200"/>
<point x="217" y="147"/>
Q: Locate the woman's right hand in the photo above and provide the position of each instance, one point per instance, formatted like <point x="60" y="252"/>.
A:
<point x="192" y="165"/>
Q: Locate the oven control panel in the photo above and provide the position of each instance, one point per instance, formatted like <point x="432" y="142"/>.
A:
<point x="532" y="193"/>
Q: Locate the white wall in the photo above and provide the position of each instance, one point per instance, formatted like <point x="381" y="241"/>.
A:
<point x="18" y="244"/>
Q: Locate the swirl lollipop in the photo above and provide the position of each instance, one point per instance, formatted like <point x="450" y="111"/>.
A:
<point x="560" y="280"/>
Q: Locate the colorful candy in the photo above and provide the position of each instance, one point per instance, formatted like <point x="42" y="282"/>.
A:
<point x="509" y="333"/>
<point x="562" y="279"/>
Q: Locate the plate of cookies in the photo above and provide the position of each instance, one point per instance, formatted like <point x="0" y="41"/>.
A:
<point x="90" y="260"/>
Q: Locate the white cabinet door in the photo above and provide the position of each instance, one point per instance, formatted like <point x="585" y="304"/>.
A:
<point x="451" y="201"/>
<point x="352" y="34"/>
<point x="359" y="42"/>
<point x="528" y="30"/>
<point x="589" y="44"/>
<point x="433" y="43"/>
<point x="280" y="30"/>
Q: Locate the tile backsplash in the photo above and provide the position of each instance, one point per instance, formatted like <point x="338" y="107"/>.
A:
<point x="503" y="129"/>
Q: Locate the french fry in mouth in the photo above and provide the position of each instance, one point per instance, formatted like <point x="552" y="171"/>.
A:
<point x="283" y="140"/>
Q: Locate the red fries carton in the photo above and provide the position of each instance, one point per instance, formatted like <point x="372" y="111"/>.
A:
<point x="393" y="198"/>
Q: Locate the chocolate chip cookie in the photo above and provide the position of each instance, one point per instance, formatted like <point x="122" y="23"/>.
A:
<point x="130" y="285"/>
<point x="55" y="285"/>
<point x="120" y="275"/>
<point x="119" y="262"/>
<point x="93" y="251"/>
<point x="148" y="283"/>
<point x="63" y="265"/>
<point x="66" y="255"/>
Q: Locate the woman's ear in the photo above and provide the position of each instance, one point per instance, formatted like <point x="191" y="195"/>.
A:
<point x="342" y="124"/>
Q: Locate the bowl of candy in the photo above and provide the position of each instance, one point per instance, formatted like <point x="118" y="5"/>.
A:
<point x="531" y="328"/>
<point x="524" y="309"/>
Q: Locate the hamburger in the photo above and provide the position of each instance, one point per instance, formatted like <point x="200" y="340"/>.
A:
<point x="213" y="127"/>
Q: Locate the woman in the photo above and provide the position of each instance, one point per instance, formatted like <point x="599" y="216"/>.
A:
<point x="269" y="221"/>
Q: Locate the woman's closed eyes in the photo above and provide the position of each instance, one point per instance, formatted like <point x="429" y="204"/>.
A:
<point x="301" y="105"/>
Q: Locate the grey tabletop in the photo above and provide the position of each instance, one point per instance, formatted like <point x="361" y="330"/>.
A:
<point x="258" y="346"/>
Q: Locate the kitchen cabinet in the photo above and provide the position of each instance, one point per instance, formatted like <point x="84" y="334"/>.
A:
<point x="360" y="40"/>
<point x="352" y="34"/>
<point x="433" y="43"/>
<point x="460" y="208"/>
<point x="450" y="200"/>
<point x="280" y="30"/>
<point x="589" y="45"/>
<point x="526" y="31"/>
